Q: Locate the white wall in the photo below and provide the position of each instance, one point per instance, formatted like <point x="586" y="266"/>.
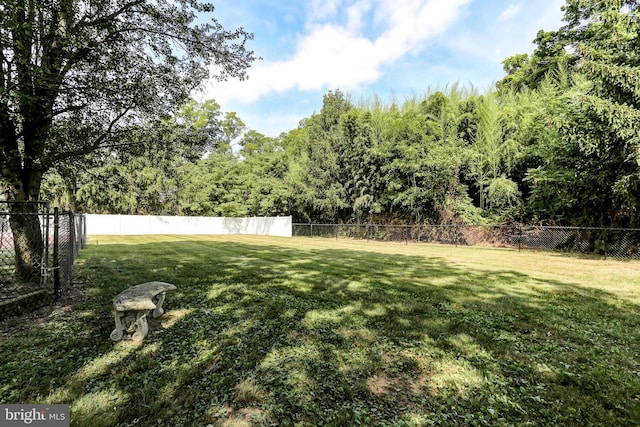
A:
<point x="152" y="224"/>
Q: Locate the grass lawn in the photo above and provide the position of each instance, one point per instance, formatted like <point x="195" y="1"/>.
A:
<point x="310" y="331"/>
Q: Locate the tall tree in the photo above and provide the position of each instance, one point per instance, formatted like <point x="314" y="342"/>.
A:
<point x="361" y="181"/>
<point x="599" y="160"/>
<point x="608" y="50"/>
<point x="420" y="157"/>
<point x="528" y="71"/>
<point x="316" y="177"/>
<point x="96" y="65"/>
<point x="265" y="165"/>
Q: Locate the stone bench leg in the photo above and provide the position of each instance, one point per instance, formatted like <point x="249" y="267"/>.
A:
<point x="158" y="300"/>
<point x="134" y="323"/>
<point x="141" y="326"/>
<point x="118" y="332"/>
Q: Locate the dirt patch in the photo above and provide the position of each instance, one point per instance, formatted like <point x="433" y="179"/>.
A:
<point x="23" y="322"/>
<point x="240" y="417"/>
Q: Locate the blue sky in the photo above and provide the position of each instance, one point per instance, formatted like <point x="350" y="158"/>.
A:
<point x="391" y="49"/>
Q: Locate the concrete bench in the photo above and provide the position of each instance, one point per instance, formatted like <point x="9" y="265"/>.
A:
<point x="132" y="307"/>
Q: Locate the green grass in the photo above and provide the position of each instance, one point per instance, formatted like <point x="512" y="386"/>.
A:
<point x="275" y="331"/>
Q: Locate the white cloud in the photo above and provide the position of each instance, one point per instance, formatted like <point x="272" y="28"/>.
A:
<point x="356" y="14"/>
<point x="331" y="54"/>
<point x="510" y="12"/>
<point x="323" y="9"/>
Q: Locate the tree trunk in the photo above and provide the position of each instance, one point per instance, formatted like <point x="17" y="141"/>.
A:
<point x="27" y="242"/>
<point x="26" y="227"/>
<point x="71" y="186"/>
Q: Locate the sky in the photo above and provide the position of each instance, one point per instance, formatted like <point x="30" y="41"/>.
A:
<point x="391" y="49"/>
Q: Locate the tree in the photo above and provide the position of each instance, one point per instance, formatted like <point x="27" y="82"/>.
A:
<point x="215" y="186"/>
<point x="145" y="177"/>
<point x="524" y="71"/>
<point x="420" y="157"/>
<point x="361" y="181"/>
<point x="607" y="127"/>
<point x="315" y="176"/>
<point x="264" y="164"/>
<point x="597" y="163"/>
<point x="92" y="68"/>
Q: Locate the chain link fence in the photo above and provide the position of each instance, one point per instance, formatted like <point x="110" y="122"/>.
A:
<point x="606" y="242"/>
<point x="69" y="236"/>
<point x="37" y="252"/>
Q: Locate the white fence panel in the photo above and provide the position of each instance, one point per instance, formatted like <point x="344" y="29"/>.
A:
<point x="153" y="224"/>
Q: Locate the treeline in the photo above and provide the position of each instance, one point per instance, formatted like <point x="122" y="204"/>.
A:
<point x="557" y="141"/>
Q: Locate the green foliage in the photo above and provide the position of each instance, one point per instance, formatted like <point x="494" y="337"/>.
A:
<point x="75" y="75"/>
<point x="265" y="167"/>
<point x="528" y="72"/>
<point x="78" y="77"/>
<point x="214" y="186"/>
<point x="502" y="193"/>
<point x="557" y="141"/>
<point x="317" y="179"/>
<point x="593" y="163"/>
<point x="343" y="164"/>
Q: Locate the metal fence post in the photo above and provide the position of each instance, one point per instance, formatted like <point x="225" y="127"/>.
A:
<point x="455" y="227"/>
<point x="71" y="248"/>
<point x="44" y="279"/>
<point x="83" y="240"/>
<point x="519" y="237"/>
<point x="56" y="254"/>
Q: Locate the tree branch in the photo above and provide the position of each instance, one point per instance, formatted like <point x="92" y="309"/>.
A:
<point x="96" y="144"/>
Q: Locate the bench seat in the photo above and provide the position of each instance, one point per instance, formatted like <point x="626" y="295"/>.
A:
<point x="133" y="305"/>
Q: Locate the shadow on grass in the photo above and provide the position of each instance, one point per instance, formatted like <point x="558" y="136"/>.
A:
<point x="264" y="335"/>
